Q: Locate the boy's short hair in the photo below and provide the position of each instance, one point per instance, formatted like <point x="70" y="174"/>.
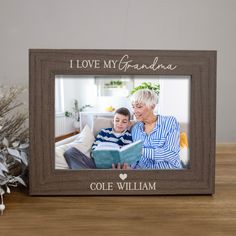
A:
<point x="123" y="111"/>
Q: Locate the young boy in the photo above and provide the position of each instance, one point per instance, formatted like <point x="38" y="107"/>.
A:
<point x="118" y="134"/>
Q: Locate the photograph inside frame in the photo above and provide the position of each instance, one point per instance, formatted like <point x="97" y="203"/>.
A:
<point x="122" y="122"/>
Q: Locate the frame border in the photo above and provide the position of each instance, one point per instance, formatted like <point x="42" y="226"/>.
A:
<point x="44" y="179"/>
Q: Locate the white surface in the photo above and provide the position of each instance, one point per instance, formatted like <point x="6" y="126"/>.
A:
<point x="112" y="24"/>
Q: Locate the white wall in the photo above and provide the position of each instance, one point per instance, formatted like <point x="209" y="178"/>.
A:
<point x="124" y="24"/>
<point x="174" y="95"/>
<point x="84" y="90"/>
<point x="175" y="98"/>
<point x="78" y="89"/>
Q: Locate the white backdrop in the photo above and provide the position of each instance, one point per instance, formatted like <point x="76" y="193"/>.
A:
<point x="124" y="24"/>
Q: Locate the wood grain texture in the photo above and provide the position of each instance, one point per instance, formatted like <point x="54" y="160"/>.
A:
<point x="199" y="65"/>
<point x="128" y="215"/>
<point x="62" y="137"/>
<point x="226" y="148"/>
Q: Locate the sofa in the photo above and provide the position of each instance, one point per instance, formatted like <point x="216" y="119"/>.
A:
<point x="84" y="140"/>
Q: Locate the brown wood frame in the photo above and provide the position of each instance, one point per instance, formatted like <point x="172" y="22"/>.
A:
<point x="198" y="179"/>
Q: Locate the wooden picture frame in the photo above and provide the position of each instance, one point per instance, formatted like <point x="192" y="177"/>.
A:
<point x="45" y="64"/>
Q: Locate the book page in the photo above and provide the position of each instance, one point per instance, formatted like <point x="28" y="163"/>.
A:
<point x="107" y="146"/>
<point x="130" y="145"/>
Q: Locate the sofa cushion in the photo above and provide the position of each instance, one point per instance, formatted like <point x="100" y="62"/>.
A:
<point x="101" y="123"/>
<point x="83" y="142"/>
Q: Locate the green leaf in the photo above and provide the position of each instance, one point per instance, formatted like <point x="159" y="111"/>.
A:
<point x="147" y="85"/>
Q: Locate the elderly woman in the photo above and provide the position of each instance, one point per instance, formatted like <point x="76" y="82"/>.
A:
<point x="160" y="134"/>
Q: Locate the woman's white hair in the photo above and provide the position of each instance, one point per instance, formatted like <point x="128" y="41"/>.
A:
<point x="145" y="96"/>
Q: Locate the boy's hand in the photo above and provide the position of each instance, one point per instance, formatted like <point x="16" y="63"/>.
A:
<point x="126" y="166"/>
<point x="119" y="166"/>
<point x="116" y="167"/>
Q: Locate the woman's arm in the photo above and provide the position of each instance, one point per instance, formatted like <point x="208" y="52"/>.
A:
<point x="165" y="155"/>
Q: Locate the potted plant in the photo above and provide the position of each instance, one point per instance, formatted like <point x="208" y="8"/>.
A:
<point x="114" y="84"/>
<point x="147" y="85"/>
<point x="14" y="142"/>
<point x="76" y="112"/>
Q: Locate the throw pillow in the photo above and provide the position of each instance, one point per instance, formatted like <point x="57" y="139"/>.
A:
<point x="82" y="142"/>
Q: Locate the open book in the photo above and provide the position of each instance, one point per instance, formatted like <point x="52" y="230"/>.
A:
<point x="107" y="154"/>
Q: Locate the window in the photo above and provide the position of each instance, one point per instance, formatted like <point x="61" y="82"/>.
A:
<point x="59" y="95"/>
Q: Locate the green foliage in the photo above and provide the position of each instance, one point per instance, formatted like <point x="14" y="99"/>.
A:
<point x="76" y="110"/>
<point x="147" y="85"/>
<point x="114" y="84"/>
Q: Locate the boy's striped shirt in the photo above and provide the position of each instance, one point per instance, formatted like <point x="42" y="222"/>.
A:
<point x="108" y="135"/>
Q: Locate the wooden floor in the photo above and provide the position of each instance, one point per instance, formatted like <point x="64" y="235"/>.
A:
<point x="160" y="215"/>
